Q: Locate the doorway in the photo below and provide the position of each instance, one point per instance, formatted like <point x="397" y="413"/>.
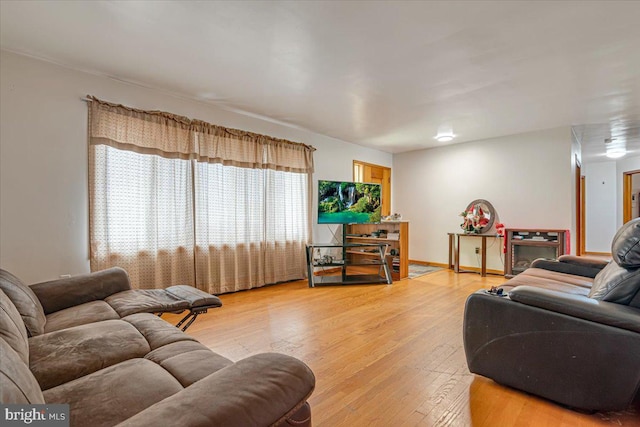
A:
<point x="630" y="195"/>
<point x="375" y="174"/>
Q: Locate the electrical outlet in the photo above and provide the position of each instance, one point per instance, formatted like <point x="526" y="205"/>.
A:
<point x="477" y="250"/>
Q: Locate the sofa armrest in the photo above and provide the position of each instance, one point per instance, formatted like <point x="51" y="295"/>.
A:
<point x="261" y="390"/>
<point x="583" y="307"/>
<point x="597" y="263"/>
<point x="59" y="294"/>
<point x="584" y="270"/>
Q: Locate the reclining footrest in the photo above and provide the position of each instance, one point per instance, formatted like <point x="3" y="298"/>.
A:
<point x="174" y="299"/>
<point x="199" y="302"/>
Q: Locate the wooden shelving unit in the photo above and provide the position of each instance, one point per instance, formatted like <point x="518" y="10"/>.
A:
<point x="397" y="256"/>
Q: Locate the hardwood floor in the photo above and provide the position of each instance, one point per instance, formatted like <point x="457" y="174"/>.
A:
<point x="383" y="355"/>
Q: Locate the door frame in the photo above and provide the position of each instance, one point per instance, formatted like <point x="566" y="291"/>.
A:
<point x="582" y="235"/>
<point x="580" y="208"/>
<point x="627" y="188"/>
<point x="386" y="184"/>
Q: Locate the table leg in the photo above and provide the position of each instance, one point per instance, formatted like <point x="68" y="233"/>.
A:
<point x="310" y="266"/>
<point x="450" y="251"/>
<point x="456" y="266"/>
<point x="483" y="272"/>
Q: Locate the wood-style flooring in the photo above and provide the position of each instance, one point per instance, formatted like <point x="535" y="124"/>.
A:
<point x="383" y="355"/>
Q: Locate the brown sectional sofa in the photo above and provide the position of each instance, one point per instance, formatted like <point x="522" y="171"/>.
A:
<point x="74" y="341"/>
<point x="567" y="330"/>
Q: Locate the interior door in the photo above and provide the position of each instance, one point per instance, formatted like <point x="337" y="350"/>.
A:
<point x="375" y="174"/>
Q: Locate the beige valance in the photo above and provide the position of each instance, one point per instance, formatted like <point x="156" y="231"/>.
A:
<point x="173" y="136"/>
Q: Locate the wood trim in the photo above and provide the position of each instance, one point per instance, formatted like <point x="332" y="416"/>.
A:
<point x="582" y="234"/>
<point x="462" y="267"/>
<point x="428" y="263"/>
<point x="386" y="191"/>
<point x="626" y="197"/>
<point x="579" y="198"/>
<point x="373" y="165"/>
<point x="598" y="253"/>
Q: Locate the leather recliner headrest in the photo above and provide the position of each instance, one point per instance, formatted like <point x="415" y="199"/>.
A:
<point x="625" y="247"/>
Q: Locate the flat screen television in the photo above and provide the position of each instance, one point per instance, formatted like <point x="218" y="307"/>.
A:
<point x="341" y="202"/>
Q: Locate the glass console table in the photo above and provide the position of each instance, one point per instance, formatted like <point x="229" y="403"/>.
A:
<point x="349" y="276"/>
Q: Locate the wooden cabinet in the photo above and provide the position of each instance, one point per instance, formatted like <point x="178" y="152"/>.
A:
<point x="526" y="245"/>
<point x="393" y="233"/>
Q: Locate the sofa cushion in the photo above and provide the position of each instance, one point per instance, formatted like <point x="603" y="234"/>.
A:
<point x="17" y="383"/>
<point x="89" y="312"/>
<point x="25" y="301"/>
<point x="616" y="284"/>
<point x="62" y="356"/>
<point x="625" y="247"/>
<point x="59" y="294"/>
<point x="552" y="280"/>
<point x="114" y="394"/>
<point x="261" y="390"/>
<point x="12" y="328"/>
<point x="188" y="361"/>
<point x="155" y="330"/>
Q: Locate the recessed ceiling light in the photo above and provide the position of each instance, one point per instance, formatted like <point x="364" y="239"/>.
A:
<point x="614" y="148"/>
<point x="616" y="153"/>
<point x="445" y="132"/>
<point x="445" y="137"/>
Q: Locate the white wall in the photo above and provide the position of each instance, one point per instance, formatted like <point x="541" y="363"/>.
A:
<point x="526" y="177"/>
<point x="600" y="205"/>
<point x="43" y="159"/>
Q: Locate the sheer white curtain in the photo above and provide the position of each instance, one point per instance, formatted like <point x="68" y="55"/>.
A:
<point x="229" y="228"/>
<point x="286" y="229"/>
<point x="174" y="200"/>
<point x="252" y="210"/>
<point x="142" y="216"/>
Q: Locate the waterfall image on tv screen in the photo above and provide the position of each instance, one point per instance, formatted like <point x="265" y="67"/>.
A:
<point x="348" y="202"/>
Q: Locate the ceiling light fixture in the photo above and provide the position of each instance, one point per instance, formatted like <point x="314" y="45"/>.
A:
<point x="616" y="153"/>
<point x="445" y="133"/>
<point x="445" y="137"/>
<point x="615" y="148"/>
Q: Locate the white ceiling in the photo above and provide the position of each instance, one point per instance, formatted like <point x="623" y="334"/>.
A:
<point x="382" y="74"/>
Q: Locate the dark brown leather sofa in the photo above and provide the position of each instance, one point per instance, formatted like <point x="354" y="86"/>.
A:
<point x="567" y="330"/>
<point x="81" y="342"/>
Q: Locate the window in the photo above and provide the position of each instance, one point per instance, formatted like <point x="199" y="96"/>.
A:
<point x="170" y="211"/>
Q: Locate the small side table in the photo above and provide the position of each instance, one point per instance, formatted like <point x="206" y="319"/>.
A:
<point x="454" y="251"/>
